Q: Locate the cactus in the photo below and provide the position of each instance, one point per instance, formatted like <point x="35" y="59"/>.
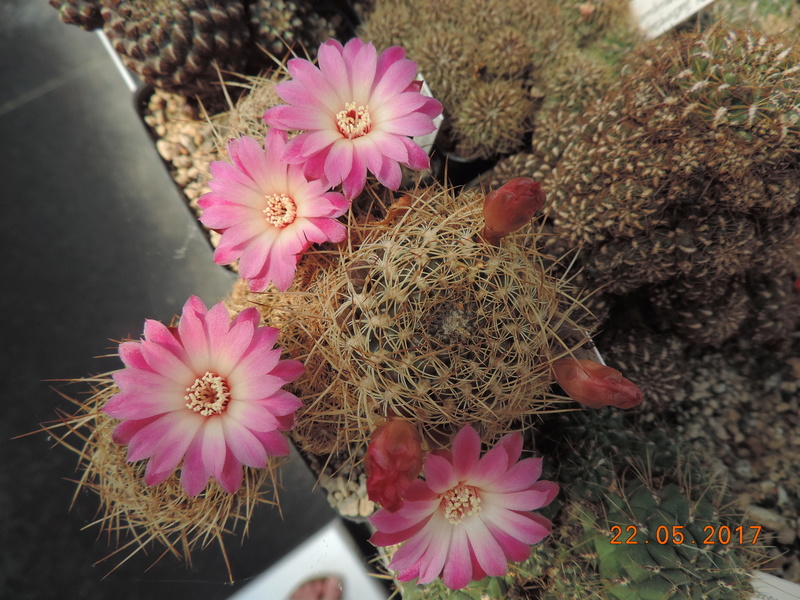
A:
<point x="179" y="45"/>
<point x="680" y="182"/>
<point x="164" y="514"/>
<point x="423" y="320"/>
<point x="83" y="13"/>
<point x="490" y="62"/>
<point x="493" y="118"/>
<point x="615" y="474"/>
<point x="684" y="566"/>
<point x="285" y="25"/>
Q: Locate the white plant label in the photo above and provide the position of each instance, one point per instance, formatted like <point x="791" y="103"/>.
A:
<point x="768" y="587"/>
<point x="657" y="16"/>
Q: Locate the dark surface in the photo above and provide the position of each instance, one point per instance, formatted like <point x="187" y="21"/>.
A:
<point x="95" y="239"/>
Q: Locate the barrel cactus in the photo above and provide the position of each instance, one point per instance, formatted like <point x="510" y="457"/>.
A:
<point x="421" y="319"/>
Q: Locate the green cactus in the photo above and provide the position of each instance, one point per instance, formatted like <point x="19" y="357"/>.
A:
<point x="663" y="550"/>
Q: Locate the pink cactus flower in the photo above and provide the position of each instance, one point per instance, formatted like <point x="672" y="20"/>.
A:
<point x="393" y="462"/>
<point x="205" y="395"/>
<point x="269" y="213"/>
<point x="470" y="515"/>
<point x="595" y="385"/>
<point x="357" y="110"/>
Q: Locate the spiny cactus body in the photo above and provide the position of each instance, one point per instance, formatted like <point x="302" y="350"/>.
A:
<point x="686" y="172"/>
<point x="422" y="319"/>
<point x="83" y="13"/>
<point x="284" y="25"/>
<point x="178" y="45"/>
<point x="621" y="484"/>
<point x="489" y="62"/>
<point x="164" y="515"/>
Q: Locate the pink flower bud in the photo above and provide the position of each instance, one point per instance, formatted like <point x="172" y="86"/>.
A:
<point x="595" y="385"/>
<point x="393" y="461"/>
<point x="511" y="207"/>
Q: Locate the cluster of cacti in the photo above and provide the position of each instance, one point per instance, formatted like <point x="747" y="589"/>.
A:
<point x="491" y="63"/>
<point x="189" y="46"/>
<point x="681" y="182"/>
<point x="644" y="487"/>
<point x="776" y="17"/>
<point x="421" y="319"/>
<point x="621" y="485"/>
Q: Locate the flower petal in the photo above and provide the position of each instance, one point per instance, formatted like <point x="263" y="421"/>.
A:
<point x="520" y="476"/>
<point x="393" y="80"/>
<point x="214" y="448"/>
<point x="439" y="474"/>
<point x="182" y="430"/>
<point x="362" y="70"/>
<point x="194" y="475"/>
<point x="252" y="415"/>
<point x="466" y="451"/>
<point x="458" y="568"/>
<point x="230" y="479"/>
<point x="357" y="178"/>
<point x="137" y="405"/>
<point x="488" y="552"/>
<point x="243" y="444"/>
<point x="410" y="125"/>
<point x="273" y="442"/>
<point x="281" y="403"/>
<point x="165" y="363"/>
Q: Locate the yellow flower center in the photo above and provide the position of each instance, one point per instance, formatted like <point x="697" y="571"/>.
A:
<point x="209" y="395"/>
<point x="353" y="121"/>
<point x="280" y="211"/>
<point x="460" y="502"/>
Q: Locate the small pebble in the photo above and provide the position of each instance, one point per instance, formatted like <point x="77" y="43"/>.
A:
<point x="790" y="387"/>
<point x="166" y="149"/>
<point x="765" y="517"/>
<point x="743" y="469"/>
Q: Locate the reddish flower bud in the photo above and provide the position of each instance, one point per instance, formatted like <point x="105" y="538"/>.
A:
<point x="393" y="461"/>
<point x="510" y="207"/>
<point x="595" y="385"/>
